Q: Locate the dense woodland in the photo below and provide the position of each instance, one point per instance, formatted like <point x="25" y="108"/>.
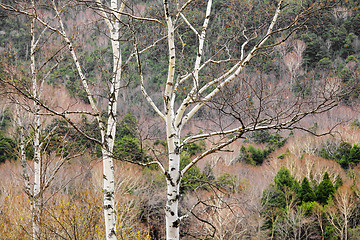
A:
<point x="295" y="181"/>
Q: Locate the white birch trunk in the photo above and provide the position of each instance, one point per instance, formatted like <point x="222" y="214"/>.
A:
<point x="109" y="138"/>
<point x="107" y="130"/>
<point x="175" y="121"/>
<point x="35" y="203"/>
<point x="108" y="189"/>
<point x="173" y="184"/>
<point x="173" y="140"/>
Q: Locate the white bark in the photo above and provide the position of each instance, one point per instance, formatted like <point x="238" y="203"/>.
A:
<point x="176" y="119"/>
<point x="36" y="201"/>
<point x="107" y="130"/>
<point x="109" y="138"/>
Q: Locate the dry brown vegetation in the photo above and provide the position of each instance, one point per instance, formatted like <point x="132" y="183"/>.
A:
<point x="72" y="206"/>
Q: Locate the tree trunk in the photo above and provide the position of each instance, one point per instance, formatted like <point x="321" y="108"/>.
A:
<point x="173" y="180"/>
<point x="109" y="138"/>
<point x="35" y="201"/>
<point x="36" y="205"/>
<point x="109" y="202"/>
<point x="172" y="203"/>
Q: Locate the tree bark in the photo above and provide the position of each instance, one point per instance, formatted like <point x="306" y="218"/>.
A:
<point x="109" y="138"/>
<point x="173" y="186"/>
<point x="35" y="201"/>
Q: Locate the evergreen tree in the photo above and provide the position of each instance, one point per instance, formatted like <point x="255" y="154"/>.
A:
<point x="127" y="126"/>
<point x="127" y="144"/>
<point x="7" y="149"/>
<point x="325" y="190"/>
<point x="338" y="182"/>
<point x="354" y="156"/>
<point x="342" y="154"/>
<point x="306" y="192"/>
<point x="283" y="179"/>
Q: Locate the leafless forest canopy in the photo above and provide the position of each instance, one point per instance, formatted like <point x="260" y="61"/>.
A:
<point x="179" y="119"/>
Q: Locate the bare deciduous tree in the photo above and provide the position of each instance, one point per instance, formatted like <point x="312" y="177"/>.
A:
<point x="340" y="211"/>
<point x="228" y="92"/>
<point x="112" y="17"/>
<point x="210" y="81"/>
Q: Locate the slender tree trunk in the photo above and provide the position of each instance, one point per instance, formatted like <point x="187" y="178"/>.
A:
<point x="173" y="185"/>
<point x="109" y="141"/>
<point x="107" y="130"/>
<point x="36" y="205"/>
<point x="109" y="202"/>
<point x="109" y="138"/>
<point x="345" y="222"/>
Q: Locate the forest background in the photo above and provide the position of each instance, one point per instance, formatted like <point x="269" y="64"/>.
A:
<point x="269" y="184"/>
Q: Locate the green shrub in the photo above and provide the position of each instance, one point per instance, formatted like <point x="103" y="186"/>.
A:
<point x="283" y="155"/>
<point x="228" y="182"/>
<point x="193" y="148"/>
<point x="338" y="182"/>
<point x="252" y="155"/>
<point x="345" y="154"/>
<point x="127" y="144"/>
<point x="193" y="178"/>
<point x="351" y="58"/>
<point x="273" y="141"/>
<point x="308" y="207"/>
<point x="355" y="123"/>
<point x="128" y="148"/>
<point x="7" y="149"/>
<point x="324" y="63"/>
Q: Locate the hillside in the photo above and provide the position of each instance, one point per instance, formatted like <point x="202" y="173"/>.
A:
<point x="262" y="123"/>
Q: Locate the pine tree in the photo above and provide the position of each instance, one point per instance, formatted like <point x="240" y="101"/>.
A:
<point x="325" y="190"/>
<point x="354" y="156"/>
<point x="284" y="179"/>
<point x="338" y="182"/>
<point x="306" y="192"/>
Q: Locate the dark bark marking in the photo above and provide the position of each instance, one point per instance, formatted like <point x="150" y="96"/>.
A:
<point x="176" y="223"/>
<point x="177" y="150"/>
<point x="109" y="195"/>
<point x="112" y="233"/>
<point x="107" y="206"/>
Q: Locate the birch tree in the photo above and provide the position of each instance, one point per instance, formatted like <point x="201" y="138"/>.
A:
<point x="41" y="182"/>
<point x="216" y="72"/>
<point x="112" y="17"/>
<point x="341" y="210"/>
<point x="204" y="89"/>
<point x="30" y="120"/>
<point x="108" y="128"/>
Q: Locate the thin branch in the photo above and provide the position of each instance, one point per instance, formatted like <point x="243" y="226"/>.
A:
<point x="143" y="90"/>
<point x="106" y="9"/>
